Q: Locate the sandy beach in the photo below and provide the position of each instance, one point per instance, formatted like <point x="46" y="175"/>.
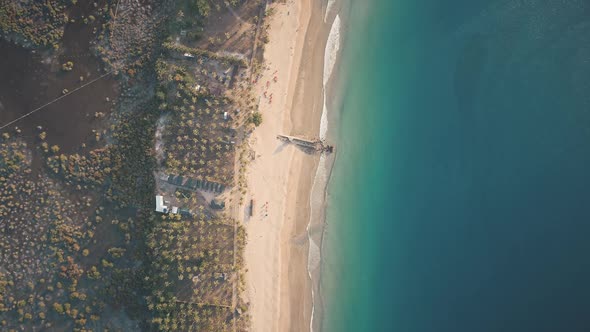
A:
<point x="281" y="176"/>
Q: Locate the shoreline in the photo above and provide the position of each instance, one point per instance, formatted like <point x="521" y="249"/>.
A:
<point x="289" y="186"/>
<point x="318" y="201"/>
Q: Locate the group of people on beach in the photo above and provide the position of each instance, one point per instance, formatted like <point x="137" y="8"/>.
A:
<point x="275" y="79"/>
<point x="265" y="210"/>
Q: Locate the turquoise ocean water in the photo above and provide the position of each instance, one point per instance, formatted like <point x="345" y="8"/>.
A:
<point x="460" y="196"/>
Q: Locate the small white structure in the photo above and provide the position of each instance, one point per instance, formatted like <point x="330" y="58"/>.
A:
<point x="160" y="207"/>
<point x="225" y="115"/>
<point x="220" y="276"/>
<point x="174" y="209"/>
<point x="188" y="55"/>
<point x="197" y="88"/>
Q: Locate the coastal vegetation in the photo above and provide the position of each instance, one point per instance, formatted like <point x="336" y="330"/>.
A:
<point x="81" y="247"/>
<point x="130" y="36"/>
<point x="256" y="119"/>
<point x="192" y="272"/>
<point x="198" y="139"/>
<point x="225" y="58"/>
<point x="42" y="23"/>
<point x="67" y="66"/>
<point x="38" y="23"/>
<point x="47" y="240"/>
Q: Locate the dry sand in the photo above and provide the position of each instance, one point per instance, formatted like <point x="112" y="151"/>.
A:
<point x="280" y="178"/>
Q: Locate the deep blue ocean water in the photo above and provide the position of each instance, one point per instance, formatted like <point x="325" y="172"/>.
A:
<point x="460" y="197"/>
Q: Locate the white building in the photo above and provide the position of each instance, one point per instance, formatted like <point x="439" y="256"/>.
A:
<point x="160" y="207"/>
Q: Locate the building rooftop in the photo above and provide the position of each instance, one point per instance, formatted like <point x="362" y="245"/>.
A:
<point x="160" y="207"/>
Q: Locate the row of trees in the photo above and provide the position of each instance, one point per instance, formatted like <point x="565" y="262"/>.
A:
<point x="198" y="141"/>
<point x="192" y="273"/>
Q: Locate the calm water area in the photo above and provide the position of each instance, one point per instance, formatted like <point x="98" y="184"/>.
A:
<point x="460" y="196"/>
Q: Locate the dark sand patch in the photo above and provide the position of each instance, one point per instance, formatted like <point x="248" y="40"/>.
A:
<point x="30" y="79"/>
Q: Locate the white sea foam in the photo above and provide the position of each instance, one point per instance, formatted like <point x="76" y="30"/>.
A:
<point x="317" y="198"/>
<point x="315" y="203"/>
<point x="330" y="57"/>
<point x="324" y="120"/>
<point x="329" y="8"/>
<point x="313" y="262"/>
<point x="314" y="257"/>
<point x="332" y="48"/>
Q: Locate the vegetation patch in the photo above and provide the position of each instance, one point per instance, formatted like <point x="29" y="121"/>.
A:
<point x="198" y="139"/>
<point x="38" y="22"/>
<point x="81" y="246"/>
